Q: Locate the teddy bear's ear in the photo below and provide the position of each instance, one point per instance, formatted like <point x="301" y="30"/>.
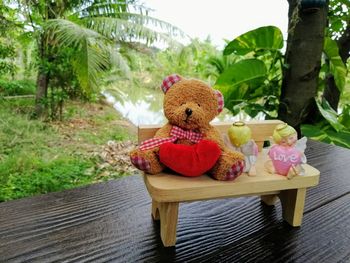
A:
<point x="169" y="81"/>
<point x="220" y="99"/>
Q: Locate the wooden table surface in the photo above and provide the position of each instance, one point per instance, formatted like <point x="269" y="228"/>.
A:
<point x="111" y="222"/>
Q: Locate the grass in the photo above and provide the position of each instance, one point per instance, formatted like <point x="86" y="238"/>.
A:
<point x="17" y="87"/>
<point x="39" y="157"/>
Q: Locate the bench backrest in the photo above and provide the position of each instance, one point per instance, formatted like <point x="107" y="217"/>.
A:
<point x="261" y="130"/>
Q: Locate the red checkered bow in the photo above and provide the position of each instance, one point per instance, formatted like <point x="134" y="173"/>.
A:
<point x="176" y="133"/>
<point x="169" y="81"/>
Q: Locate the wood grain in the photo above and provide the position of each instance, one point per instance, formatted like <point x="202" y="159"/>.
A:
<point x="293" y="202"/>
<point x="168" y="221"/>
<point x="334" y="164"/>
<point x="111" y="222"/>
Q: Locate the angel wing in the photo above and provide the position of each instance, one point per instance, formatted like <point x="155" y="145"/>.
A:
<point x="250" y="148"/>
<point x="301" y="144"/>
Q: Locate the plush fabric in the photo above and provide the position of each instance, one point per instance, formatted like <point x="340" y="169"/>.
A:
<point x="189" y="105"/>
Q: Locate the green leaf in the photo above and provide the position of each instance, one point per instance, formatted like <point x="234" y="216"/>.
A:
<point x="237" y="82"/>
<point x="235" y="97"/>
<point x="241" y="80"/>
<point x="329" y="114"/>
<point x="337" y="67"/>
<point x="313" y="132"/>
<point x="337" y="25"/>
<point x="341" y="138"/>
<point x="245" y="71"/>
<point x="253" y="109"/>
<point x="266" y="38"/>
<point x="235" y="110"/>
<point x="344" y="117"/>
<point x="326" y="134"/>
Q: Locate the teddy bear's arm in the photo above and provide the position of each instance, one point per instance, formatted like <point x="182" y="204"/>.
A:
<point x="148" y="160"/>
<point x="214" y="135"/>
<point x="164" y="132"/>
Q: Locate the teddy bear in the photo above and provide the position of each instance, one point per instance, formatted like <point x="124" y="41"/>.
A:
<point x="188" y="144"/>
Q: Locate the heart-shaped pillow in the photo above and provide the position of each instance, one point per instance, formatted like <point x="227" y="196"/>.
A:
<point x="190" y="160"/>
<point x="284" y="157"/>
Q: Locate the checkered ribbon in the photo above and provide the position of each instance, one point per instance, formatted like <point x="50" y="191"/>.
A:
<point x="169" y="81"/>
<point x="175" y="133"/>
<point x="220" y="99"/>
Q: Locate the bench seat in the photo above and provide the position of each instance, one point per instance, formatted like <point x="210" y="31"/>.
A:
<point x="167" y="187"/>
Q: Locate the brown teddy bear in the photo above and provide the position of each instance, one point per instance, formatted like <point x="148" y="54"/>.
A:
<point x="188" y="144"/>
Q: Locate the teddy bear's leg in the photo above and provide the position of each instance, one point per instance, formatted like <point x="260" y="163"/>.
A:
<point x="229" y="166"/>
<point x="146" y="161"/>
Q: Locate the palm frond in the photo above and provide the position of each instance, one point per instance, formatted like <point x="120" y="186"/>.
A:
<point x="123" y="30"/>
<point x="117" y="60"/>
<point x="68" y="33"/>
<point x="105" y="9"/>
<point x="140" y="19"/>
<point x="87" y="64"/>
<point x="94" y="54"/>
<point x="148" y="20"/>
<point x="80" y="65"/>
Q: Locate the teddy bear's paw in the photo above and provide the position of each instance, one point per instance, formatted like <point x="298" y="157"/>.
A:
<point x="235" y="170"/>
<point x="232" y="173"/>
<point x="141" y="163"/>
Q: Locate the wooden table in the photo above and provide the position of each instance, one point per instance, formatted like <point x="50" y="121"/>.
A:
<point x="112" y="222"/>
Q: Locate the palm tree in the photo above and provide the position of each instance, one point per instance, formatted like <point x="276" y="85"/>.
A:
<point x="95" y="29"/>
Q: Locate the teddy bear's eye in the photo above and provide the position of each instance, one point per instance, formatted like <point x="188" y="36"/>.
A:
<point x="198" y="105"/>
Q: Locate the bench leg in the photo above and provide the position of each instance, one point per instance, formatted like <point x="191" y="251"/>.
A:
<point x="269" y="199"/>
<point x="293" y="202"/>
<point x="168" y="221"/>
<point x="155" y="210"/>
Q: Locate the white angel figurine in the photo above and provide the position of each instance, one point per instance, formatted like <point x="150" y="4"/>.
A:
<point x="287" y="152"/>
<point x="239" y="139"/>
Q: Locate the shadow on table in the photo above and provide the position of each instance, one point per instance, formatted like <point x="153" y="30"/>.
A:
<point x="228" y="230"/>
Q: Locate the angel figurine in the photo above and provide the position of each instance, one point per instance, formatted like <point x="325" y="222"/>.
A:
<point x="239" y="134"/>
<point x="287" y="152"/>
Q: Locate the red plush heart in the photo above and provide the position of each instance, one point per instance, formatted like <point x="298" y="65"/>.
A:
<point x="190" y="160"/>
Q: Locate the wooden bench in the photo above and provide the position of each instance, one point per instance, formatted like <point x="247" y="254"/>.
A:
<point x="168" y="190"/>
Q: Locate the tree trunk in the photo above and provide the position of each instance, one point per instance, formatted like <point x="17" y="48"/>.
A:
<point x="303" y="60"/>
<point x="45" y="57"/>
<point x="331" y="92"/>
<point x="41" y="94"/>
<point x="42" y="81"/>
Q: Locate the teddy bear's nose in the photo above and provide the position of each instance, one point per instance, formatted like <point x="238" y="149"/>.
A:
<point x="188" y="111"/>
